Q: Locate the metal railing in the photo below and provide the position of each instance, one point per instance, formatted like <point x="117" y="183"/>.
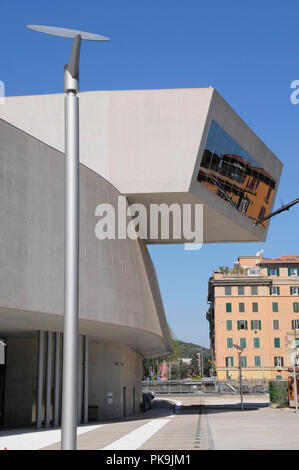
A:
<point x="205" y="386"/>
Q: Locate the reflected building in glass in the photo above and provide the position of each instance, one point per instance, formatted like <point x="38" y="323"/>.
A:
<point x="229" y="171"/>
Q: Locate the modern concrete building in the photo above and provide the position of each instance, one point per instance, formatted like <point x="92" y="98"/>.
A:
<point x="153" y="146"/>
<point x="254" y="305"/>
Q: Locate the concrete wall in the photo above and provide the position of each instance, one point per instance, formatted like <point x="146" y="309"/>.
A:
<point x="118" y="301"/>
<point x="112" y="367"/>
<point x="148" y="144"/>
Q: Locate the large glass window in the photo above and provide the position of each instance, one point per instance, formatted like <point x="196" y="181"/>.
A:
<point x="232" y="174"/>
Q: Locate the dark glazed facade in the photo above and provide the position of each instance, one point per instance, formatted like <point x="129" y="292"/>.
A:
<point x="230" y="172"/>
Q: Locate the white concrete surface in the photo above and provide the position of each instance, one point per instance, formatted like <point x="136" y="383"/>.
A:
<point x="22" y="439"/>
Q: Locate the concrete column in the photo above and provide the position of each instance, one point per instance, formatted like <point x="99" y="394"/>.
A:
<point x="80" y="375"/>
<point x="49" y="379"/>
<point x="85" y="394"/>
<point x="57" y="375"/>
<point x="40" y="379"/>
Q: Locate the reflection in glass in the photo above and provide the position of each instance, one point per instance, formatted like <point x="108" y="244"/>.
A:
<point x="228" y="171"/>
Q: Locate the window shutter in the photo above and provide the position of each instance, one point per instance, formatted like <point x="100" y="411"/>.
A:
<point x="251" y="324"/>
<point x="260" y="325"/>
<point x="270" y="290"/>
<point x="278" y="290"/>
<point x="268" y="271"/>
<point x="297" y="271"/>
<point x="277" y="271"/>
<point x="289" y="271"/>
<point x="246" y="325"/>
<point x="238" y="324"/>
<point x="291" y="291"/>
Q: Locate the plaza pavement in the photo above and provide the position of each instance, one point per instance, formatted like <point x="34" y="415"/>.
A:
<point x="200" y="423"/>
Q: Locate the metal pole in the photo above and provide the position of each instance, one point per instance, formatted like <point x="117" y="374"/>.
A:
<point x="85" y="396"/>
<point x="295" y="381"/>
<point x="71" y="250"/>
<point x="240" y="378"/>
<point x="40" y="379"/>
<point x="48" y="379"/>
<point x="57" y="379"/>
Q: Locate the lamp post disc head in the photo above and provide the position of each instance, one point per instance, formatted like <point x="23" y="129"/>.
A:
<point x="66" y="32"/>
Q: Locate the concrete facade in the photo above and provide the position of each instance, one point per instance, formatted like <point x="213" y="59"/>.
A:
<point x="121" y="310"/>
<point x="147" y="145"/>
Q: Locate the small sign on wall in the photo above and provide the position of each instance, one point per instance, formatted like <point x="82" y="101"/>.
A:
<point x="109" y="398"/>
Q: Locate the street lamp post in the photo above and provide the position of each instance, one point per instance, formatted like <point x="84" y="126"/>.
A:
<point x="71" y="249"/>
<point x="240" y="350"/>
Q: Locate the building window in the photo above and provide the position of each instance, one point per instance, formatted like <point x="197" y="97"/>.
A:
<point x="228" y="307"/>
<point x="228" y="290"/>
<point x="276" y="342"/>
<point x="294" y="290"/>
<point x="295" y="324"/>
<point x="243" y="343"/>
<point x="256" y="324"/>
<point x="229" y="343"/>
<point x="274" y="290"/>
<point x="273" y="271"/>
<point x="278" y="377"/>
<point x="256" y="343"/>
<point x="229" y="325"/>
<point x="243" y="361"/>
<point x="275" y="307"/>
<point x="240" y="290"/>
<point x="241" y="307"/>
<point x="253" y="271"/>
<point x="242" y="325"/>
<point x="278" y="361"/>
<point x="257" y="361"/>
<point x="254" y="290"/>
<point x="296" y="307"/>
<point x="293" y="272"/>
<point x="255" y="307"/>
<point x="229" y="361"/>
<point x="275" y="324"/>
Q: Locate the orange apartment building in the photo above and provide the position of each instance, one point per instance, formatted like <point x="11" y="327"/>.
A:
<point x="254" y="305"/>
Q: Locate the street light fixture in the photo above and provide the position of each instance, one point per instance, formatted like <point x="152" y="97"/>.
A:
<point x="71" y="250"/>
<point x="240" y="350"/>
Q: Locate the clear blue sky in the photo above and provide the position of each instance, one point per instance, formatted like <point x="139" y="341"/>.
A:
<point x="248" y="51"/>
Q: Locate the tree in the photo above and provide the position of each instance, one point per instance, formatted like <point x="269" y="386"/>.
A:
<point x="153" y="365"/>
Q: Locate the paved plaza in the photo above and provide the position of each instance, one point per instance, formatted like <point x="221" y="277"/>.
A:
<point x="198" y="423"/>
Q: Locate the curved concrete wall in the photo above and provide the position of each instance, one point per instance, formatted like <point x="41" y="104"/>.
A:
<point x="119" y="295"/>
